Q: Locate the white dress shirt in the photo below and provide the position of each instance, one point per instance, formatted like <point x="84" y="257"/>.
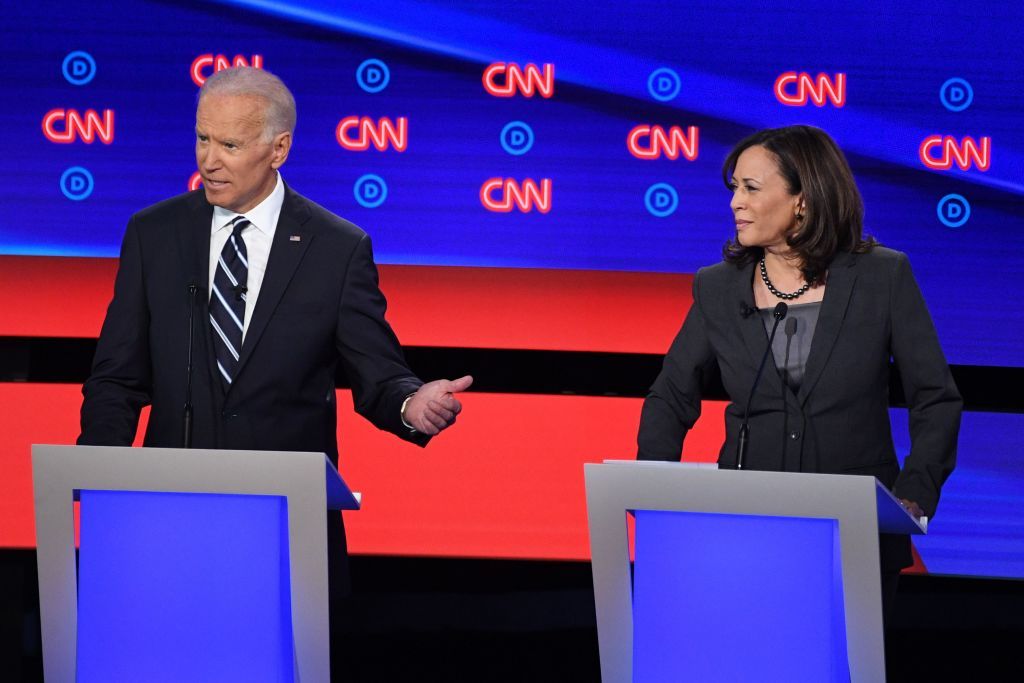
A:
<point x="258" y="237"/>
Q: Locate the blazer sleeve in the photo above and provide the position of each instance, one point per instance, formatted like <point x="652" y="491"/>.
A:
<point x="673" y="403"/>
<point x="121" y="378"/>
<point x="370" y="352"/>
<point x="932" y="397"/>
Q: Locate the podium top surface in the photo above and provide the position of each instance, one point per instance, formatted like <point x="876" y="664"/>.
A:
<point x="751" y="492"/>
<point x="194" y="471"/>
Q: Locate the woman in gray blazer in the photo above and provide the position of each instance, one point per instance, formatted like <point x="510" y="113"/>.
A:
<point x="822" y="402"/>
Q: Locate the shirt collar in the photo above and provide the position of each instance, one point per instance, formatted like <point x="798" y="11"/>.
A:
<point x="263" y="216"/>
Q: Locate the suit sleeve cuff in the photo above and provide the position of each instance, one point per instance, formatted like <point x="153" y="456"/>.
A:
<point x="401" y="413"/>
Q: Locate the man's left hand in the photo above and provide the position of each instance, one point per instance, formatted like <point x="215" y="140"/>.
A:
<point x="434" y="406"/>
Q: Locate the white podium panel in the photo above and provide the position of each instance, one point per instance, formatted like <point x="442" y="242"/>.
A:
<point x="755" y="547"/>
<point x="194" y="564"/>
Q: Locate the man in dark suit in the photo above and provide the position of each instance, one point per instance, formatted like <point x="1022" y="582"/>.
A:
<point x="280" y="292"/>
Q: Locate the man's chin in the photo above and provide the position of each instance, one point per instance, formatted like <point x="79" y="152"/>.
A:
<point x="215" y="196"/>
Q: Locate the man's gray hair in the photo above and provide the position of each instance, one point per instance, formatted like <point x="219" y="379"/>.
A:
<point x="253" y="82"/>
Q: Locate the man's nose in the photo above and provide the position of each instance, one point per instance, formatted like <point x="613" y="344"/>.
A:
<point x="208" y="158"/>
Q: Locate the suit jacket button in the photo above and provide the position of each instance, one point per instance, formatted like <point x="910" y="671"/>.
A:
<point x="794" y="435"/>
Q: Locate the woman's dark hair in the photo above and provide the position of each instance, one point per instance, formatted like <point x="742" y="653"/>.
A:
<point x="833" y="215"/>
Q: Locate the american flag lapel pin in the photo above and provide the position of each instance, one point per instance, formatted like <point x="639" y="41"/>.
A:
<point x="295" y="238"/>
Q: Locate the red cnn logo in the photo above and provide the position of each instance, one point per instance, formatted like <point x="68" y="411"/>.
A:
<point x="205" y="65"/>
<point x="808" y="88"/>
<point x="195" y="181"/>
<point x="87" y="126"/>
<point x="651" y="142"/>
<point x="526" y="80"/>
<point x="525" y="197"/>
<point x="358" y="133"/>
<point x="966" y="152"/>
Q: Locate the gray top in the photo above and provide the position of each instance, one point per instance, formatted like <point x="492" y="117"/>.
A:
<point x="792" y="342"/>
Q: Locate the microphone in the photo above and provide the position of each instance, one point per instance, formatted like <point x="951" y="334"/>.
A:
<point x="741" y="447"/>
<point x="187" y="419"/>
<point x="790" y="330"/>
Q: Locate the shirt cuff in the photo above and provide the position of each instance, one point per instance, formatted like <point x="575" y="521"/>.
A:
<point x="401" y="413"/>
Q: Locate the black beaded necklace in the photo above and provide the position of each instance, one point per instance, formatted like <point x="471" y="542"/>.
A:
<point x="782" y="295"/>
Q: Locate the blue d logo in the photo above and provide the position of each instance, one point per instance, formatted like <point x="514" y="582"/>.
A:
<point x="956" y="94"/>
<point x="661" y="200"/>
<point x="370" y="191"/>
<point x="663" y="84"/>
<point x="516" y="138"/>
<point x="78" y="67"/>
<point x="954" y="210"/>
<point x="373" y="75"/>
<point x="76" y="183"/>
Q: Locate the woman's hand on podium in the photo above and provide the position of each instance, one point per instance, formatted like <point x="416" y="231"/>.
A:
<point x="912" y="507"/>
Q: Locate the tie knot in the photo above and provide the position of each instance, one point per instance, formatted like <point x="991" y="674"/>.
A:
<point x="239" y="224"/>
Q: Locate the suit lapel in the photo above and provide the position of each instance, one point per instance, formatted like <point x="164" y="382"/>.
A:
<point x="194" y="242"/>
<point x="193" y="235"/>
<point x="841" y="278"/>
<point x="752" y="330"/>
<point x="285" y="255"/>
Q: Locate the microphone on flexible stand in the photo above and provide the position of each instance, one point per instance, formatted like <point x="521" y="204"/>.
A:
<point x="790" y="331"/>
<point x="187" y="420"/>
<point x="741" y="447"/>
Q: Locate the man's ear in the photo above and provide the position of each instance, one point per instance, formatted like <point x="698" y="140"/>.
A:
<point x="282" y="144"/>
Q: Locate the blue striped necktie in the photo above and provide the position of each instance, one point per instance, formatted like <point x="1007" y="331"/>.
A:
<point x="227" y="304"/>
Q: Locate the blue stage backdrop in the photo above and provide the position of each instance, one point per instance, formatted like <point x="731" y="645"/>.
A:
<point x="543" y="135"/>
<point x="561" y="135"/>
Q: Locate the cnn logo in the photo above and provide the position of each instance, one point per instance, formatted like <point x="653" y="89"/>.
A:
<point x="64" y="126"/>
<point x="357" y="133"/>
<point x="652" y="142"/>
<point x="507" y="80"/>
<point x="501" y="195"/>
<point x="940" y="152"/>
<point x="206" y="65"/>
<point x="797" y="89"/>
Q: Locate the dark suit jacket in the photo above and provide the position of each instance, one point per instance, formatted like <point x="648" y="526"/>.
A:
<point x="839" y="420"/>
<point x="319" y="305"/>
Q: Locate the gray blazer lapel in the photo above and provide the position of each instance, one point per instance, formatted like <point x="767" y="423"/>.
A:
<point x="285" y="255"/>
<point x="841" y="278"/>
<point x="751" y="328"/>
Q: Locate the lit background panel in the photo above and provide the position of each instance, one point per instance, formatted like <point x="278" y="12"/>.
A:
<point x="899" y="64"/>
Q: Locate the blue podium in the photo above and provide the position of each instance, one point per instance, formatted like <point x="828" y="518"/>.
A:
<point x="194" y="565"/>
<point x="738" y="575"/>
